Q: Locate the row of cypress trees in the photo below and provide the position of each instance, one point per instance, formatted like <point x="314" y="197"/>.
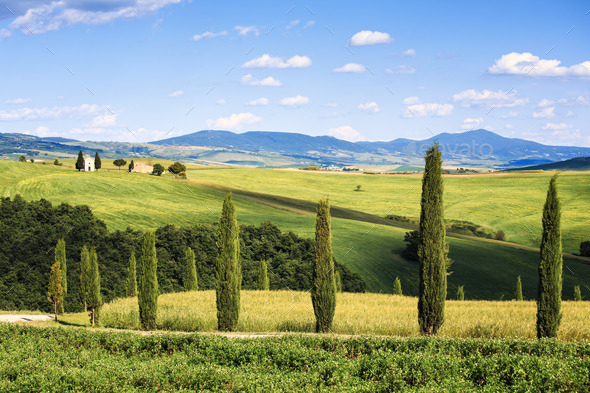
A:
<point x="434" y="261"/>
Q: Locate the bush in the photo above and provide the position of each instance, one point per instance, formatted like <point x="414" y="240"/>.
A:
<point x="310" y="168"/>
<point x="585" y="249"/>
<point x="411" y="250"/>
<point x="500" y="235"/>
<point x="158" y="170"/>
<point x="177" y="168"/>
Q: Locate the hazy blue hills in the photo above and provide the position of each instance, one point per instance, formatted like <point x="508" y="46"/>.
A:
<point x="575" y="164"/>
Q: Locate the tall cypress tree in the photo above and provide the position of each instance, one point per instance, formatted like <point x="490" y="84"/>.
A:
<point x="55" y="291"/>
<point x="190" y="272"/>
<point x="94" y="296"/>
<point x="323" y="292"/>
<point x="60" y="255"/>
<point x="80" y="161"/>
<point x="84" y="277"/>
<point x="518" y="290"/>
<point x="432" y="249"/>
<point x="148" y="282"/>
<point x="397" y="287"/>
<point x="460" y="292"/>
<point x="228" y="270"/>
<point x="131" y="289"/>
<point x="550" y="267"/>
<point x="338" y="281"/>
<point x="97" y="162"/>
<point x="577" y="293"/>
<point x="262" y="284"/>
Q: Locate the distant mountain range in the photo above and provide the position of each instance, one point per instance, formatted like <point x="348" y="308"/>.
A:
<point x="470" y="146"/>
<point x="478" y="148"/>
<point x="575" y="164"/>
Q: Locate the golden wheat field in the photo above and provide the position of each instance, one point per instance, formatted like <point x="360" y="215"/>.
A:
<point x="358" y="314"/>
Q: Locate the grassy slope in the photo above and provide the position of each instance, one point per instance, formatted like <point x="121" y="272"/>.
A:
<point x="510" y="202"/>
<point x="142" y="201"/>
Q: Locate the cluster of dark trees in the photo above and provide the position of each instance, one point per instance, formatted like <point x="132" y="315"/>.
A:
<point x="29" y="232"/>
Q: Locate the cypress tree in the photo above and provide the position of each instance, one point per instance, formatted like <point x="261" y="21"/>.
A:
<point x="460" y="292"/>
<point x="60" y="255"/>
<point x="131" y="165"/>
<point x="148" y="282"/>
<point x="323" y="292"/>
<point x="131" y="290"/>
<point x="55" y="292"/>
<point x="338" y="281"/>
<point x="80" y="161"/>
<point x="94" y="296"/>
<point x="550" y="267"/>
<point x="228" y="269"/>
<point x="263" y="283"/>
<point x="97" y="162"/>
<point x="577" y="293"/>
<point x="84" y="277"/>
<point x="190" y="273"/>
<point x="432" y="249"/>
<point x="397" y="287"/>
<point x="518" y="290"/>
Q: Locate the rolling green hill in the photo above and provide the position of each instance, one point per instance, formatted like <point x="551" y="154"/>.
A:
<point x="141" y="201"/>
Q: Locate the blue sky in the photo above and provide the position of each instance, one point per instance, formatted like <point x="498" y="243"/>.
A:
<point x="141" y="70"/>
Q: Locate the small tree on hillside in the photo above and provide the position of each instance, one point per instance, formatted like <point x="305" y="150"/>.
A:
<point x="585" y="249"/>
<point x="97" y="162"/>
<point x="55" y="292"/>
<point x="119" y="162"/>
<point x="148" y="282"/>
<point x="60" y="255"/>
<point x="56" y="162"/>
<point x="263" y="283"/>
<point x="32" y="160"/>
<point x="84" y="277"/>
<point x="131" y="166"/>
<point x="94" y="296"/>
<point x="550" y="267"/>
<point x="158" y="170"/>
<point x="22" y="159"/>
<point x="412" y="239"/>
<point x="460" y="292"/>
<point x="397" y="287"/>
<point x="131" y="289"/>
<point x="323" y="292"/>
<point x="228" y="269"/>
<point x="176" y="168"/>
<point x="577" y="293"/>
<point x="190" y="271"/>
<point x="80" y="161"/>
<point x="432" y="248"/>
<point x="518" y="290"/>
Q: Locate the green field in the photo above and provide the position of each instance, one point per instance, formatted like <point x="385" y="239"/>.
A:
<point x="512" y="202"/>
<point x="72" y="359"/>
<point x="141" y="201"/>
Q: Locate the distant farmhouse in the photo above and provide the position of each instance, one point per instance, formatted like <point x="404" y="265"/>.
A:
<point x="88" y="163"/>
<point x="142" y="167"/>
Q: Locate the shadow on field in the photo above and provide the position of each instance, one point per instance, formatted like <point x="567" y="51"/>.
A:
<point x="65" y="323"/>
<point x="296" y="327"/>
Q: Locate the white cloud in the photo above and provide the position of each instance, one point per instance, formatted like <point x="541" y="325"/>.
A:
<point x="569" y="114"/>
<point x="58" y="14"/>
<point x="500" y="99"/>
<point x="176" y="93"/>
<point x="370" y="107"/>
<point x="528" y="64"/>
<point x="292" y="24"/>
<point x="49" y="113"/>
<point x="234" y="121"/>
<point x="557" y="126"/>
<point x="545" y="102"/>
<point x="346" y="132"/>
<point x="18" y="101"/>
<point x="413" y="108"/>
<point x="5" y="33"/>
<point x="104" y="121"/>
<point x="470" y="123"/>
<point x="208" y="34"/>
<point x="294" y="101"/>
<point x="407" y="53"/>
<point x="545" y="113"/>
<point x="258" y="101"/>
<point x="245" y="30"/>
<point x="367" y="37"/>
<point x="41" y="131"/>
<point x="309" y="24"/>
<point x="351" y="67"/>
<point x="220" y="101"/>
<point x="268" y="61"/>
<point x="249" y="80"/>
<point x="402" y="69"/>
